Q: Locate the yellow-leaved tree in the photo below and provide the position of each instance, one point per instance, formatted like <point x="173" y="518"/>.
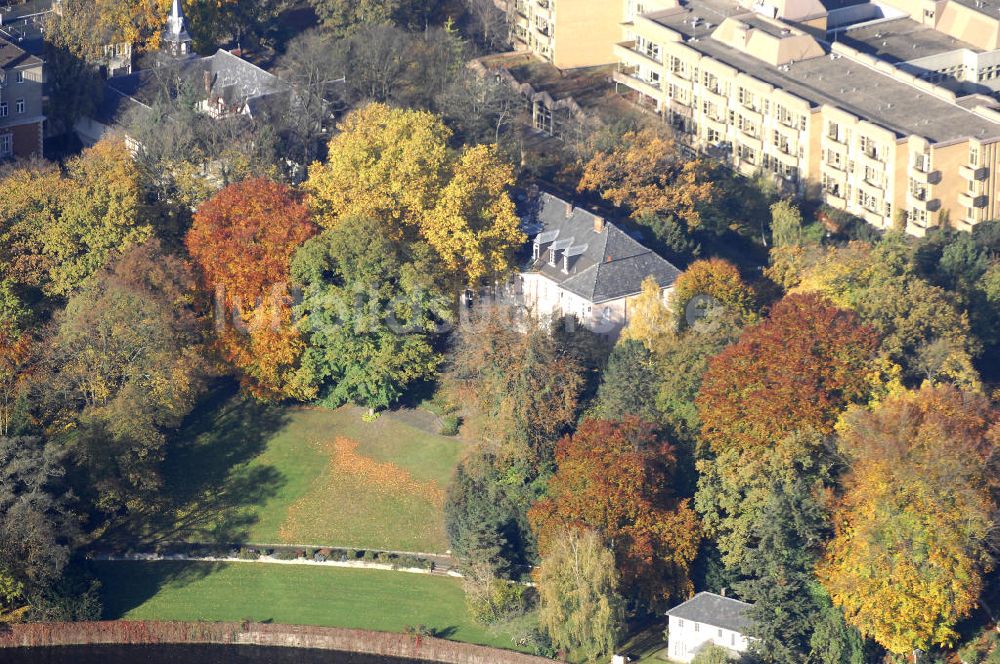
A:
<point x="394" y="165"/>
<point x="386" y="163"/>
<point x="474" y="226"/>
<point x="913" y="526"/>
<point x="650" y="319"/>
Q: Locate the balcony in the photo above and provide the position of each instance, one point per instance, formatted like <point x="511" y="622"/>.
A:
<point x="834" y="199"/>
<point x="626" y="77"/>
<point x="924" y="177"/>
<point x="973" y="172"/>
<point x="627" y="51"/>
<point x="926" y="204"/>
<point x="968" y="200"/>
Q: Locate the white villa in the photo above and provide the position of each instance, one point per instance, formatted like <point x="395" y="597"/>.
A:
<point x="706" y="619"/>
<point x="582" y="264"/>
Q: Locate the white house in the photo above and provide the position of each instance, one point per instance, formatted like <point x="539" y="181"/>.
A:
<point x="705" y="619"/>
<point x="583" y="265"/>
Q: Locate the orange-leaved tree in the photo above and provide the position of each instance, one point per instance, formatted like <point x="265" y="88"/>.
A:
<point x="647" y="173"/>
<point x="242" y="240"/>
<point x="793" y="373"/>
<point x="710" y="282"/>
<point x="915" y="522"/>
<point x="615" y="477"/>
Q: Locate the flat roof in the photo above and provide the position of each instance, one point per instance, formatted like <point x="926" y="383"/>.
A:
<point x="985" y="7"/>
<point x="900" y="40"/>
<point x="841" y="83"/>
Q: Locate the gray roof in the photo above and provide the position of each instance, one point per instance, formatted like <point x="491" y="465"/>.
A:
<point x="12" y="56"/>
<point x="711" y="609"/>
<point x="841" y="83"/>
<point x="230" y="77"/>
<point x="603" y="265"/>
<point x="900" y="40"/>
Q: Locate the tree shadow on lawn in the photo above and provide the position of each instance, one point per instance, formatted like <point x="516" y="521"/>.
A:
<point x="208" y="486"/>
<point x="126" y="586"/>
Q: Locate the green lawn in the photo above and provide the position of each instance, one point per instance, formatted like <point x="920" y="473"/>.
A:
<point x="242" y="471"/>
<point x="362" y="599"/>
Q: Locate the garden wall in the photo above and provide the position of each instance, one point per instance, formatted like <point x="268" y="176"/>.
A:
<point x="324" y="638"/>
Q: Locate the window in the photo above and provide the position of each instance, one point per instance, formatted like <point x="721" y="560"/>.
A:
<point x="19" y="104"/>
<point x="535" y="251"/>
<point x="20" y="77"/>
<point x="697" y="627"/>
<point x="6" y="145"/>
<point x="3" y="109"/>
<point x="832" y="131"/>
<point x="732" y="639"/>
<point x="713" y="136"/>
<point x="680" y="622"/>
<point x="720" y="633"/>
<point x="974" y="156"/>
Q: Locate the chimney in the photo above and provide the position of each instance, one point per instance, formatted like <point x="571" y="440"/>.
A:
<point x="598" y="224"/>
<point x="207" y="76"/>
<point x="569" y="209"/>
<point x="722" y="592"/>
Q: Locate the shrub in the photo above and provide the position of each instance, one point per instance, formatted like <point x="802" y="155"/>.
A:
<point x="496" y="601"/>
<point x="287" y="554"/>
<point x="352" y="554"/>
<point x="246" y="553"/>
<point x="450" y="425"/>
<point x="712" y="654"/>
<point x="368" y="556"/>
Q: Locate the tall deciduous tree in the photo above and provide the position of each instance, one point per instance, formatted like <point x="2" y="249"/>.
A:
<point x="370" y="313"/>
<point x="915" y="519"/>
<point x="650" y="318"/>
<point x="646" y="172"/>
<point x="767" y="404"/>
<point x="474" y="226"/>
<point x="579" y="605"/>
<point x="242" y="240"/>
<point x="709" y="283"/>
<point x="617" y="478"/>
<point x="124" y="366"/>
<point x="395" y="166"/>
<point x="786" y="224"/>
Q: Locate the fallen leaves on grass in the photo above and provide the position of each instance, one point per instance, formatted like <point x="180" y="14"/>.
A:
<point x="371" y="477"/>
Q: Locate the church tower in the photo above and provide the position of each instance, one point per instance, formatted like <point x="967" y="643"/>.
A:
<point x="176" y="40"/>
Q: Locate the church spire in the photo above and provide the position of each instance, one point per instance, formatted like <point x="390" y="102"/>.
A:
<point x="176" y="40"/>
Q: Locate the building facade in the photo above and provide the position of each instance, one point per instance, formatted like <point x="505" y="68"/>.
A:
<point x="567" y="33"/>
<point x="707" y="619"/>
<point x="582" y="265"/>
<point x="22" y="120"/>
<point x="889" y="111"/>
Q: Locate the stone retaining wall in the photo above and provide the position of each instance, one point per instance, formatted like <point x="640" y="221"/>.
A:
<point x="293" y="636"/>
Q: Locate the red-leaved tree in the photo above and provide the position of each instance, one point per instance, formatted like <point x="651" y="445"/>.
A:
<point x="242" y="240"/>
<point x="615" y="477"/>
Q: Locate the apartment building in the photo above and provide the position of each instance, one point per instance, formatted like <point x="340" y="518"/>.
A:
<point x="567" y="33"/>
<point x="21" y="116"/>
<point x="826" y="119"/>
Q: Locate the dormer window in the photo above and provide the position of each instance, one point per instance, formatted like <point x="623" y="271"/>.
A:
<point x="552" y="256"/>
<point x="566" y="263"/>
<point x="536" y="249"/>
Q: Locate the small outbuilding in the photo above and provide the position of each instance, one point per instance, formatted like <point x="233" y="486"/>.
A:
<point x="707" y="618"/>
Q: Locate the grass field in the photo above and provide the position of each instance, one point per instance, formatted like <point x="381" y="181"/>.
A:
<point x="242" y="471"/>
<point x="363" y="599"/>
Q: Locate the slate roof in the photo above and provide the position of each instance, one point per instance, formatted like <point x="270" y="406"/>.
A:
<point x="12" y="56"/>
<point x="711" y="609"/>
<point x="602" y="266"/>
<point x="230" y="77"/>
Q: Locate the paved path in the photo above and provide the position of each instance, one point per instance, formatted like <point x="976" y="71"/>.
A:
<point x="270" y="560"/>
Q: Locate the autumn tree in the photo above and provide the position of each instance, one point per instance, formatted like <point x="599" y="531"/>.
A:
<point x="370" y="312"/>
<point x="767" y="405"/>
<point x="473" y="226"/>
<point x="616" y="478"/>
<point x="524" y="381"/>
<point x="709" y="283"/>
<point x="242" y="241"/>
<point x="61" y="229"/>
<point x="650" y="318"/>
<point x="879" y="283"/>
<point x="387" y="164"/>
<point x="395" y="166"/>
<point x="913" y="525"/>
<point x="579" y="605"/>
<point x="85" y="27"/>
<point x="124" y="367"/>
<point x="18" y="352"/>
<point x="786" y="224"/>
<point x="647" y="173"/>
